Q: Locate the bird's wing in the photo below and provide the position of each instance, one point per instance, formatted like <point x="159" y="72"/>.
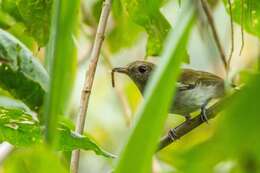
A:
<point x="190" y="78"/>
<point x="185" y="86"/>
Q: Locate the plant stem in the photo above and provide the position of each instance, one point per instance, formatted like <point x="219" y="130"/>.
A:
<point x="242" y="27"/>
<point x="209" y="16"/>
<point x="89" y="78"/>
<point x="232" y="33"/>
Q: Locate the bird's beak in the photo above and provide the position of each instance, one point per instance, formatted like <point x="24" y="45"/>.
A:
<point x="119" y="70"/>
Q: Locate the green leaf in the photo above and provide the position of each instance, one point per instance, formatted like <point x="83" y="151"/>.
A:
<point x="22" y="130"/>
<point x="6" y="20"/>
<point x="61" y="57"/>
<point x="125" y="31"/>
<point x="10" y="6"/>
<point x="10" y="103"/>
<point x="247" y="15"/>
<point x="148" y="15"/>
<point x="137" y="154"/>
<point x="18" y="128"/>
<point x="34" y="14"/>
<point x="69" y="140"/>
<point x="37" y="160"/>
<point x="20" y="72"/>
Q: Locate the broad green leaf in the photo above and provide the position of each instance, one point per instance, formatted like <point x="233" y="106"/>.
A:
<point x="247" y="15"/>
<point x="69" y="140"/>
<point x="10" y="103"/>
<point x="61" y="57"/>
<point x="22" y="130"/>
<point x="15" y="27"/>
<point x="34" y="14"/>
<point x="10" y="6"/>
<point x="6" y="20"/>
<point x="20" y="72"/>
<point x="137" y="154"/>
<point x="37" y="159"/>
<point x="18" y="30"/>
<point x="147" y="14"/>
<point x="122" y="25"/>
<point x="18" y="128"/>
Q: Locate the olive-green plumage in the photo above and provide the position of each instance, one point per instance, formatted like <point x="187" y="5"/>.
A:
<point x="194" y="88"/>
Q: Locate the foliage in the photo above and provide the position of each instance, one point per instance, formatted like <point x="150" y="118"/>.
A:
<point x="36" y="159"/>
<point x="247" y="14"/>
<point x="125" y="30"/>
<point x="172" y="58"/>
<point x="33" y="14"/>
<point x="227" y="144"/>
<point x="150" y="18"/>
<point x="21" y="73"/>
<point x="22" y="130"/>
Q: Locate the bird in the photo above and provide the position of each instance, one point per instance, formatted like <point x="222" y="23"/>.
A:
<point x="194" y="88"/>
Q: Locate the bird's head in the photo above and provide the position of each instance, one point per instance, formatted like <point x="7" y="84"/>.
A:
<point x="138" y="71"/>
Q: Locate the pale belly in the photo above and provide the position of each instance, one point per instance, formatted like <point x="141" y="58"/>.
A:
<point x="188" y="101"/>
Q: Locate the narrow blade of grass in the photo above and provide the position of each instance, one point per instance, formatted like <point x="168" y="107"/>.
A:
<point x="137" y="154"/>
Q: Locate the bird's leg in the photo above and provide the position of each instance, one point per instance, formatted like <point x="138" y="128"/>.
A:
<point x="187" y="118"/>
<point x="203" y="114"/>
<point x="172" y="134"/>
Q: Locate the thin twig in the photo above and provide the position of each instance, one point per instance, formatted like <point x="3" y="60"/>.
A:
<point x="195" y="122"/>
<point x="209" y="16"/>
<point x="242" y="27"/>
<point x="125" y="105"/>
<point x="89" y="78"/>
<point x="232" y="33"/>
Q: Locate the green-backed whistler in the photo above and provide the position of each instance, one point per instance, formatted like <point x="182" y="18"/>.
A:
<point x="194" y="88"/>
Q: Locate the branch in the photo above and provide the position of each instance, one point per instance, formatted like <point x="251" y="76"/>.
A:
<point x="208" y="13"/>
<point x="188" y="126"/>
<point x="89" y="78"/>
<point x="242" y="27"/>
<point x="232" y="33"/>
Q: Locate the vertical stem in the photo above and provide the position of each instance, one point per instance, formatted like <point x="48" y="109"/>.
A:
<point x="85" y="94"/>
<point x="232" y="33"/>
<point x="242" y="27"/>
<point x="209" y="16"/>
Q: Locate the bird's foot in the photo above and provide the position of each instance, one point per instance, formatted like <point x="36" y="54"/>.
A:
<point x="187" y="118"/>
<point x="173" y="135"/>
<point x="203" y="115"/>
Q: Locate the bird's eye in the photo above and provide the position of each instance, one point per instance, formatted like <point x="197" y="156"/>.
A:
<point x="142" y="69"/>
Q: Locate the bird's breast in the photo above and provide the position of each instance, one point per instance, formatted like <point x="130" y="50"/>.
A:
<point x="188" y="101"/>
